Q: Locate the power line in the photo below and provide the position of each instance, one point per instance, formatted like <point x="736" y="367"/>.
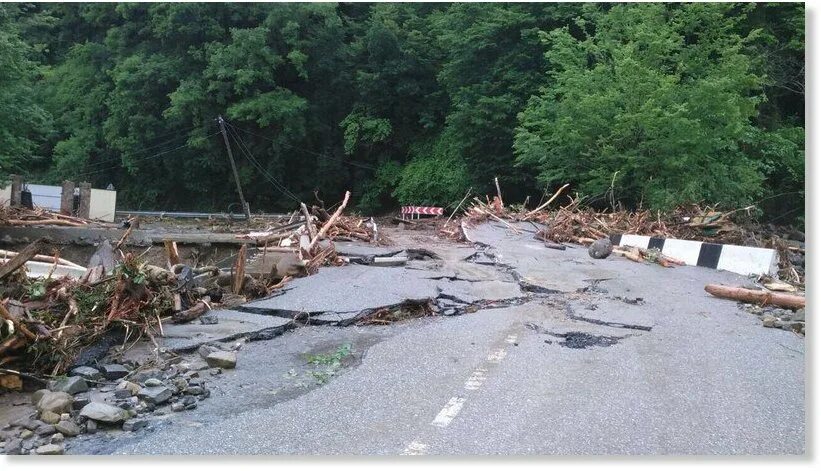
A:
<point x="94" y="172"/>
<point x="326" y="156"/>
<point x="271" y="179"/>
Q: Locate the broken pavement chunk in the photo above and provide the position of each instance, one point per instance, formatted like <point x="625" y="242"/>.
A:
<point x="221" y="359"/>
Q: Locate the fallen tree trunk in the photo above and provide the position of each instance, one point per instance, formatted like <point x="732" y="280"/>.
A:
<point x="21" y="258"/>
<point x="761" y="297"/>
<point x="193" y="312"/>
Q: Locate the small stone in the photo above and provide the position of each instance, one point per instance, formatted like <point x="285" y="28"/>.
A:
<point x="57" y="402"/>
<point x="80" y="401"/>
<point x="209" y="319"/>
<point x="65" y="416"/>
<point x="191" y="406"/>
<point x="67" y="428"/>
<point x="152" y="382"/>
<point x="769" y="321"/>
<point x="181" y="384"/>
<point x="26" y="433"/>
<point x="50" y="417"/>
<point x="798" y="315"/>
<point x="132" y="388"/>
<point x="600" y="249"/>
<point x="142" y="376"/>
<point x="156" y="394"/>
<point x="102" y="412"/>
<point x="45" y="429"/>
<point x="122" y="394"/>
<point x="14" y="447"/>
<point x="177" y="406"/>
<point x="188" y="400"/>
<point x="222" y="359"/>
<point x="57" y="438"/>
<point x="51" y="449"/>
<point x="131" y="425"/>
<point x="114" y="371"/>
<point x="206" y="350"/>
<point x="215" y="371"/>
<point x="91" y="426"/>
<point x="87" y="372"/>
<point x="195" y="390"/>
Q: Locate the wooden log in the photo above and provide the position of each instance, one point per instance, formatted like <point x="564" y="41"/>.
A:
<point x="43" y="222"/>
<point x="555" y="195"/>
<point x="789" y="301"/>
<point x="171" y="252"/>
<point x="193" y="312"/>
<point x="21" y="258"/>
<point x="330" y="222"/>
<point x="43" y="258"/>
<point x="309" y="221"/>
<point x="239" y="270"/>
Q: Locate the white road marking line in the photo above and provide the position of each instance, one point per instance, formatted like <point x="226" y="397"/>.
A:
<point x="511" y="339"/>
<point x="477" y="378"/>
<point x="449" y="412"/>
<point x="497" y="355"/>
<point x="415" y="448"/>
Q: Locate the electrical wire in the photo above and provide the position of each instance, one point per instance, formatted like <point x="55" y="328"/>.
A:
<point x="325" y="156"/>
<point x="94" y="172"/>
<point x="271" y="179"/>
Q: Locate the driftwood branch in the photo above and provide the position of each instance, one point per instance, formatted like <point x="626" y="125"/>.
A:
<point x="555" y="195"/>
<point x="330" y="222"/>
<point x="761" y="297"/>
<point x="21" y="258"/>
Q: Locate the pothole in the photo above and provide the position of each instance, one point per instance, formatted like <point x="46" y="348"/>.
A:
<point x="584" y="340"/>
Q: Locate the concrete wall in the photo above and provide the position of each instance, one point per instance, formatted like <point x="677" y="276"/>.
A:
<point x="103" y="202"/>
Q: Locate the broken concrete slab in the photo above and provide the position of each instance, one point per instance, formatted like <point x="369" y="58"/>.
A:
<point x="471" y="292"/>
<point x="348" y="289"/>
<point x="352" y="249"/>
<point x="232" y="324"/>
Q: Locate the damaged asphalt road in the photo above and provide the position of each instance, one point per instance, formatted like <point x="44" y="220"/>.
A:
<point x="556" y="353"/>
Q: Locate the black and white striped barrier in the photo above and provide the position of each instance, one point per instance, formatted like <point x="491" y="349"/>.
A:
<point x="733" y="258"/>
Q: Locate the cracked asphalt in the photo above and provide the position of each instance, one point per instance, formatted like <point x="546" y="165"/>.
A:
<point x="660" y="367"/>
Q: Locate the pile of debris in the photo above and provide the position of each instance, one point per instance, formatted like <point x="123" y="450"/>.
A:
<point x="22" y="216"/>
<point x="48" y="318"/>
<point x="576" y="224"/>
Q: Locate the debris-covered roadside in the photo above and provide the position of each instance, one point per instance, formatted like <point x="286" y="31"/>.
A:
<point x="780" y="298"/>
<point x="48" y="320"/>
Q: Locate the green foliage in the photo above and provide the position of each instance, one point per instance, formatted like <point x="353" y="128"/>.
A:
<point x="378" y="192"/>
<point x="436" y="176"/>
<point x="333" y="359"/>
<point x="406" y="102"/>
<point x="664" y="95"/>
<point x="23" y="122"/>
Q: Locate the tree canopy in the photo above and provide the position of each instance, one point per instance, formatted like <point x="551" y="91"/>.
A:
<point x="407" y="103"/>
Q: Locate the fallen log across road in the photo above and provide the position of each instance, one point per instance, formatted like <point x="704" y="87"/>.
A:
<point x="761" y="297"/>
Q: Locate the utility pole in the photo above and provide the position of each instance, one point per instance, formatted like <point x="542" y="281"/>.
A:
<point x="245" y="208"/>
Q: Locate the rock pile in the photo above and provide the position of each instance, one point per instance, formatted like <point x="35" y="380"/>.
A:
<point x="110" y="397"/>
<point x="778" y="318"/>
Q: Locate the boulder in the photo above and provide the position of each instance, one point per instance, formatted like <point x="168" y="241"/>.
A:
<point x="600" y="249"/>
<point x="71" y="385"/>
<point x="57" y="402"/>
<point x="57" y="438"/>
<point x="156" y="394"/>
<point x="222" y="359"/>
<point x="67" y="428"/>
<point x="102" y="412"/>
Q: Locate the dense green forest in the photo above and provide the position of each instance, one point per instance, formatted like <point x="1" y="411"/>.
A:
<point x="650" y="105"/>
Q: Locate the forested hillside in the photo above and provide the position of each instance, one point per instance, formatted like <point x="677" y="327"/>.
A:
<point x="408" y="103"/>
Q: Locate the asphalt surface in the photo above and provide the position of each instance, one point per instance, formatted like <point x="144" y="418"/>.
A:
<point x="612" y="357"/>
